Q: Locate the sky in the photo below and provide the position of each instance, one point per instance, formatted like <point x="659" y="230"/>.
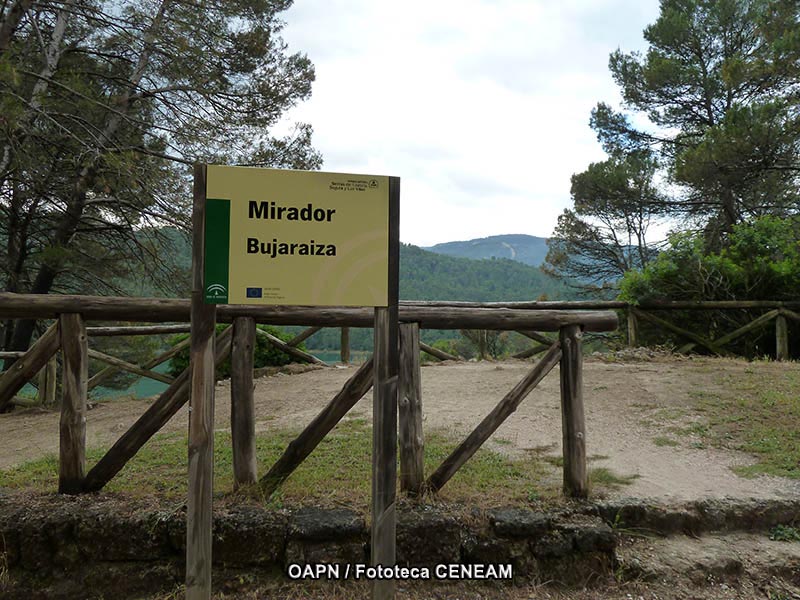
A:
<point x="481" y="107"/>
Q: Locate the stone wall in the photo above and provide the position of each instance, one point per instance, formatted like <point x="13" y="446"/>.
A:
<point x="76" y="546"/>
<point x="90" y="546"/>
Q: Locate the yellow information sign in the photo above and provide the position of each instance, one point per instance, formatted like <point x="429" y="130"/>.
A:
<point x="296" y="237"/>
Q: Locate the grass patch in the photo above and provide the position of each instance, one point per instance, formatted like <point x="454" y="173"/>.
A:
<point x="337" y="472"/>
<point x="604" y="477"/>
<point x="664" y="441"/>
<point x="784" y="533"/>
<point x="758" y="412"/>
<point x="670" y="413"/>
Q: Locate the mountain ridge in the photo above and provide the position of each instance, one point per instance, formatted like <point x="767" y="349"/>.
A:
<point x="527" y="249"/>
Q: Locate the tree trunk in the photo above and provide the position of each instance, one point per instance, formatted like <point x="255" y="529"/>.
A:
<point x="11" y="22"/>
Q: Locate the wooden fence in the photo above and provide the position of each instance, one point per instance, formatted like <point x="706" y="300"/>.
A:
<point x="70" y="333"/>
<point x="778" y="311"/>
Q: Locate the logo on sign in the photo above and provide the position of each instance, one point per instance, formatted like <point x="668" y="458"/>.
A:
<point x="254" y="292"/>
<point x="216" y="289"/>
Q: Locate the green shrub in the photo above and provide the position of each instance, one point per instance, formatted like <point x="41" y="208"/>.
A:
<point x="264" y="355"/>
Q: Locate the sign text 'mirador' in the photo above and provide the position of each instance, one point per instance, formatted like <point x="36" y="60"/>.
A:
<point x="271" y="210"/>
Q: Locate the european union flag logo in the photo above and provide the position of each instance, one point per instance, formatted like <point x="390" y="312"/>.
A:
<point x="254" y="292"/>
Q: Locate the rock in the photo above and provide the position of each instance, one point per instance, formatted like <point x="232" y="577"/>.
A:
<point x="247" y="535"/>
<point x="326" y="552"/>
<point x="518" y="522"/>
<point x="323" y="524"/>
<point x="428" y="539"/>
<point x="105" y="535"/>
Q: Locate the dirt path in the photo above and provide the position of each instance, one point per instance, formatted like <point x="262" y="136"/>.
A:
<point x="628" y="406"/>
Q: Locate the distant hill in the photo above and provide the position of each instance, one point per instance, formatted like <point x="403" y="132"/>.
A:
<point x="427" y="275"/>
<point x="424" y="275"/>
<point x="527" y="249"/>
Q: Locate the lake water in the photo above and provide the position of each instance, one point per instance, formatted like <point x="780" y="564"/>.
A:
<point x="144" y="388"/>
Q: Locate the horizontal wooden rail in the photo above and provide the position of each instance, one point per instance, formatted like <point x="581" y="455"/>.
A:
<point x="612" y="304"/>
<point x="138" y="330"/>
<point x="429" y="317"/>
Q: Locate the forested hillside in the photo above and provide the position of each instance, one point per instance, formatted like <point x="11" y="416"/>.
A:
<point x="427" y="275"/>
<point x="424" y="275"/>
<point x="527" y="249"/>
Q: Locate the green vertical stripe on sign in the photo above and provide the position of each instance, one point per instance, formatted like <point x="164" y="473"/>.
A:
<point x="218" y="241"/>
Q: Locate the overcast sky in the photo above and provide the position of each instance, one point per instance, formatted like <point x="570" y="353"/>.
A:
<point x="480" y="106"/>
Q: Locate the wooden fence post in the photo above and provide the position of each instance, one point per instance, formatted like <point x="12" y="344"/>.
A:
<point x="201" y="412"/>
<point x="344" y="347"/>
<point x="412" y="468"/>
<point x="42" y="385"/>
<point x="383" y="529"/>
<point x="243" y="425"/>
<point x="633" y="329"/>
<point x="72" y="428"/>
<point x="51" y="381"/>
<point x="781" y="338"/>
<point x="576" y="483"/>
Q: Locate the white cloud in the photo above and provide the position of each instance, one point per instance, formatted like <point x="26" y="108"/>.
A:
<point x="481" y="107"/>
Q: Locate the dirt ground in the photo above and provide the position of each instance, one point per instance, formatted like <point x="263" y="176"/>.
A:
<point x="628" y="405"/>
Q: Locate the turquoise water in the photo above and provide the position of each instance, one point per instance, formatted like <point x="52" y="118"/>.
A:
<point x="145" y="388"/>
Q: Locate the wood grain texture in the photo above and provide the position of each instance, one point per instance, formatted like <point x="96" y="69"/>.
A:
<point x="51" y="381"/>
<point x="129" y="330"/>
<point x="384" y="411"/>
<point x="201" y="412"/>
<point x="303" y="445"/>
<point x="243" y="423"/>
<point x="412" y="469"/>
<point x="781" y="338"/>
<point x="72" y="426"/>
<point x="504" y="409"/>
<point x="573" y="423"/>
<point x="25" y="368"/>
<point x="429" y="317"/>
<point x="633" y="329"/>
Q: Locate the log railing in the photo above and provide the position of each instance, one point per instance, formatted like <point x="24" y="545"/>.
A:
<point x="532" y="319"/>
<point x="70" y="333"/>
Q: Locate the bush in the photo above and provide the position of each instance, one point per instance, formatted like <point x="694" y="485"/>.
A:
<point x="264" y="354"/>
<point x="761" y="261"/>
